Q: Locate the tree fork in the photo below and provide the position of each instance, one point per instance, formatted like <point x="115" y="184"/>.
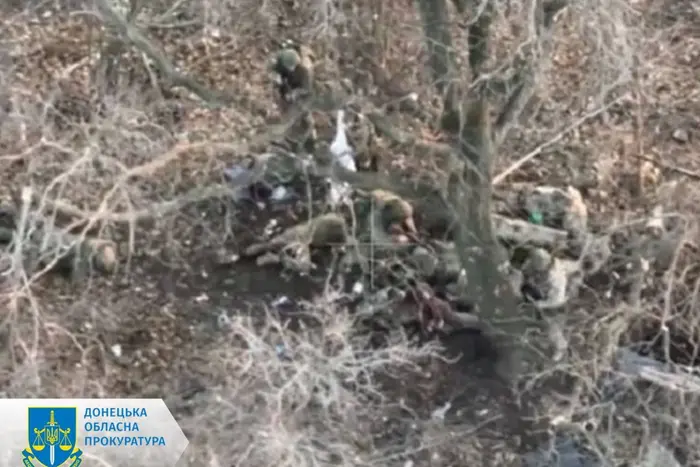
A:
<point x="469" y="189"/>
<point x="435" y="18"/>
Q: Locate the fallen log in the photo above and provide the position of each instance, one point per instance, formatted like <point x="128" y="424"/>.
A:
<point x="521" y="232"/>
<point x="670" y="376"/>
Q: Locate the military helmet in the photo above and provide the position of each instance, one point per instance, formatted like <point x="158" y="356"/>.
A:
<point x="288" y="59"/>
<point x="397" y="210"/>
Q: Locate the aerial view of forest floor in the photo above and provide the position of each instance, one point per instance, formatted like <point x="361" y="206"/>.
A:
<point x="265" y="213"/>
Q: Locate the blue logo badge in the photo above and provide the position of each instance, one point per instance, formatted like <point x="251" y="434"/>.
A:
<point x="52" y="433"/>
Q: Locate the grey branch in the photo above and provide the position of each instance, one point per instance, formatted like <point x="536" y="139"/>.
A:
<point x="523" y="88"/>
<point x="674" y="377"/>
<point x="131" y="34"/>
<point x="525" y="233"/>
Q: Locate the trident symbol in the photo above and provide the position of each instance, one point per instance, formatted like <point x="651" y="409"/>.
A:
<point x="52" y="435"/>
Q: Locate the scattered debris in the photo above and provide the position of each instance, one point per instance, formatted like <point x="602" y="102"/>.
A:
<point x="265" y="177"/>
<point x="440" y="412"/>
<point x="281" y="194"/>
<point x="224" y="257"/>
<point x="536" y="217"/>
<point x="282" y="353"/>
<point x="341" y="151"/>
<point x="562" y="451"/>
<point x="281" y="301"/>
<point x="358" y="288"/>
<point x="223" y="321"/>
<point x="428" y="282"/>
<point x="116" y="350"/>
<point x="558" y="341"/>
<point x="657" y="455"/>
<point x="546" y="279"/>
<point x="549" y="225"/>
<point x="681" y="135"/>
<point x="339" y="193"/>
<point x="655" y="224"/>
<point x="247" y="179"/>
<point x="649" y="176"/>
<point x="201" y="298"/>
<point x="552" y="207"/>
<point x="270" y="228"/>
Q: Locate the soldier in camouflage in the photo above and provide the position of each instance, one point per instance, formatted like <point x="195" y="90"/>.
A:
<point x="293" y="65"/>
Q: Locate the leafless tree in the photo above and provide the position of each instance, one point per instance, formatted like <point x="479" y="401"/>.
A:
<point x="477" y="135"/>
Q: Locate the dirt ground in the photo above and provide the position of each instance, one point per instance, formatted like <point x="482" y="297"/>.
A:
<point x="154" y="329"/>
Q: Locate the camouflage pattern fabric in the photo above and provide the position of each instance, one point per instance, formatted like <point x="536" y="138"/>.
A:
<point x="296" y="64"/>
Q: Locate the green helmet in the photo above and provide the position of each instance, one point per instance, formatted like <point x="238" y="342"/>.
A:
<point x="394" y="211"/>
<point x="288" y="59"/>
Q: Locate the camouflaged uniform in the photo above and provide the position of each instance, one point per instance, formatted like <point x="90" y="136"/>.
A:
<point x="294" y="67"/>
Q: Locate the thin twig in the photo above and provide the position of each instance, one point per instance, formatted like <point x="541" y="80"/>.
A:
<point x="157" y="210"/>
<point x="538" y="150"/>
<point x="673" y="168"/>
<point x="174" y="77"/>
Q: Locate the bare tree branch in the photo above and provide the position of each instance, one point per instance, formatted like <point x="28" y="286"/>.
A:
<point x="385" y="128"/>
<point x="670" y="376"/>
<point x="556" y="138"/>
<point x="478" y="37"/>
<point x="523" y="89"/>
<point x="442" y="64"/>
<point x="132" y="34"/>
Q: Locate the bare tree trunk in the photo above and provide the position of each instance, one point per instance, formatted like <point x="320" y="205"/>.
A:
<point x="469" y="192"/>
<point x="438" y="39"/>
<point x="483" y="258"/>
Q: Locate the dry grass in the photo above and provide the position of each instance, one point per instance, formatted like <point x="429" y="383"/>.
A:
<point x="310" y="397"/>
<point x="271" y="396"/>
